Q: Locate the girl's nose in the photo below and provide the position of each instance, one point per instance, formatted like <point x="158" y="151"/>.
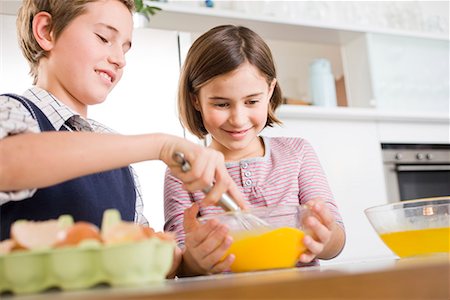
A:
<point x="237" y="116"/>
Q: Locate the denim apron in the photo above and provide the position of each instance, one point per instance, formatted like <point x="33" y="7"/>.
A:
<point x="84" y="198"/>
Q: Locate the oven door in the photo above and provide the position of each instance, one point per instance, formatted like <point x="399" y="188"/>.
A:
<point x="422" y="181"/>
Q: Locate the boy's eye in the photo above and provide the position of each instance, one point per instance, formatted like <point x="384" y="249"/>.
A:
<point x="104" y="40"/>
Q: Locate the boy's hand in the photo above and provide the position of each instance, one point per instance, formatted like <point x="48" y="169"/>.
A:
<point x="320" y="225"/>
<point x="205" y="245"/>
<point x="207" y="167"/>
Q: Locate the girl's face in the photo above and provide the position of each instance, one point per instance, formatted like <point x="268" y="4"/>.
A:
<point x="87" y="60"/>
<point x="234" y="107"/>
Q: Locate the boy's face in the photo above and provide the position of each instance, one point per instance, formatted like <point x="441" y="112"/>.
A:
<point x="234" y="108"/>
<point x="87" y="60"/>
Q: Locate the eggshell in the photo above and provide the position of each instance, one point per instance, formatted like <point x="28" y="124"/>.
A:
<point x="77" y="233"/>
<point x="123" y="232"/>
<point x="35" y="235"/>
<point x="7" y="246"/>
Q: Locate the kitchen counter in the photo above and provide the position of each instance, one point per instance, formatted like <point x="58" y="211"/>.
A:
<point x="414" y="278"/>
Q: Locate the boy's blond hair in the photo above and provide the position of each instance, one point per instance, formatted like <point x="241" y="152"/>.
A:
<point x="62" y="12"/>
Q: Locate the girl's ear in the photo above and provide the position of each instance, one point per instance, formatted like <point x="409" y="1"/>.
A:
<point x="272" y="87"/>
<point x="41" y="30"/>
<point x="196" y="103"/>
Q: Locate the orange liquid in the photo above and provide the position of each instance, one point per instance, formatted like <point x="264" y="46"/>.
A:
<point x="256" y="250"/>
<point x="418" y="242"/>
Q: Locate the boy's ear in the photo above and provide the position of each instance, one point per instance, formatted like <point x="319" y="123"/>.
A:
<point x="41" y="30"/>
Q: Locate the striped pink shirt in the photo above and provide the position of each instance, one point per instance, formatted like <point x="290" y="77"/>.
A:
<point x="289" y="174"/>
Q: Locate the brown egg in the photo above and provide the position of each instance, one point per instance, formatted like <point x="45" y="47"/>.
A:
<point x="148" y="231"/>
<point x="165" y="236"/>
<point x="78" y="232"/>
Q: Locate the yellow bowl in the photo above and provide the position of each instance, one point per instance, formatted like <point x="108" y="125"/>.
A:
<point x="413" y="227"/>
<point x="278" y="245"/>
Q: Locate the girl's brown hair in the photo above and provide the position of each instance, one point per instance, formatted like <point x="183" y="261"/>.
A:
<point x="219" y="51"/>
<point x="62" y="12"/>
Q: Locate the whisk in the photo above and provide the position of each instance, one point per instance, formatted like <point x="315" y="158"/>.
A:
<point x="246" y="219"/>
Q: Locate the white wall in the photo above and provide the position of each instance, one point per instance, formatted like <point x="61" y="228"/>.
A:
<point x="13" y="66"/>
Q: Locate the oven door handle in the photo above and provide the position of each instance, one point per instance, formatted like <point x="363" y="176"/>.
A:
<point x="404" y="168"/>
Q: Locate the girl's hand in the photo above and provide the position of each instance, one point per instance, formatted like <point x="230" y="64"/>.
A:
<point x="321" y="226"/>
<point x="207" y="167"/>
<point x="205" y="245"/>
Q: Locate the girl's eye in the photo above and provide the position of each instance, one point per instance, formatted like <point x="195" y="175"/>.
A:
<point x="252" y="101"/>
<point x="221" y="105"/>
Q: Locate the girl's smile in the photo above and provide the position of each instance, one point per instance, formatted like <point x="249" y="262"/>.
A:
<point x="237" y="134"/>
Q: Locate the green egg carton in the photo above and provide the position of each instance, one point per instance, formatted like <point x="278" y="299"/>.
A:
<point x="86" y="265"/>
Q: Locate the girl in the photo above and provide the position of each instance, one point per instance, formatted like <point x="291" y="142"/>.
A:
<point x="229" y="91"/>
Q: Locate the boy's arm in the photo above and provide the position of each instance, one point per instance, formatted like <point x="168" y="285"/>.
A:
<point x="34" y="160"/>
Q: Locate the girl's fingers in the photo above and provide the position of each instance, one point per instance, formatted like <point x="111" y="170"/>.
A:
<point x="324" y="213"/>
<point x="190" y="218"/>
<point x="307" y="257"/>
<point x="215" y="256"/>
<point x="312" y="245"/>
<point x="223" y="265"/>
<point x="212" y="243"/>
<point x="319" y="231"/>
<point x="201" y="233"/>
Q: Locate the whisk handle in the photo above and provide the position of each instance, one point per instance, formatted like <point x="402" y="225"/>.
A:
<point x="226" y="202"/>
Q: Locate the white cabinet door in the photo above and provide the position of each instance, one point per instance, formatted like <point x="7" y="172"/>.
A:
<point x="350" y="154"/>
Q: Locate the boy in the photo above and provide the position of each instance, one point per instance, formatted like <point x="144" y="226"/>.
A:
<point x="53" y="159"/>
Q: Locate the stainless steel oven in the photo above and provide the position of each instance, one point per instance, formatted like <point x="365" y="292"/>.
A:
<point x="416" y="170"/>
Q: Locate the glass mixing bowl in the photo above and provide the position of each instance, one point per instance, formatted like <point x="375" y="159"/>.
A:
<point x="260" y="247"/>
<point x="413" y="227"/>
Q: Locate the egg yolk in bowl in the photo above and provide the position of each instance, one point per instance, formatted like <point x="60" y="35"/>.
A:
<point x="418" y="242"/>
<point x="266" y="249"/>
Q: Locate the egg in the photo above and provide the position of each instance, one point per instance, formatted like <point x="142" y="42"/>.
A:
<point x="77" y="233"/>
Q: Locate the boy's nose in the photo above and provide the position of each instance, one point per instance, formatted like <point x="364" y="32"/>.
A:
<point x="117" y="57"/>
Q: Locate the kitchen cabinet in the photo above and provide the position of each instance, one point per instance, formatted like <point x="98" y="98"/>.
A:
<point x="389" y="69"/>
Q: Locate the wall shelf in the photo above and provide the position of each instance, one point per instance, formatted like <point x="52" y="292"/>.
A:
<point x="287" y="111"/>
<point x="200" y="19"/>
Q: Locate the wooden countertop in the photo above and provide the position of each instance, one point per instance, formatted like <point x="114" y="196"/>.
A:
<point x="414" y="278"/>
